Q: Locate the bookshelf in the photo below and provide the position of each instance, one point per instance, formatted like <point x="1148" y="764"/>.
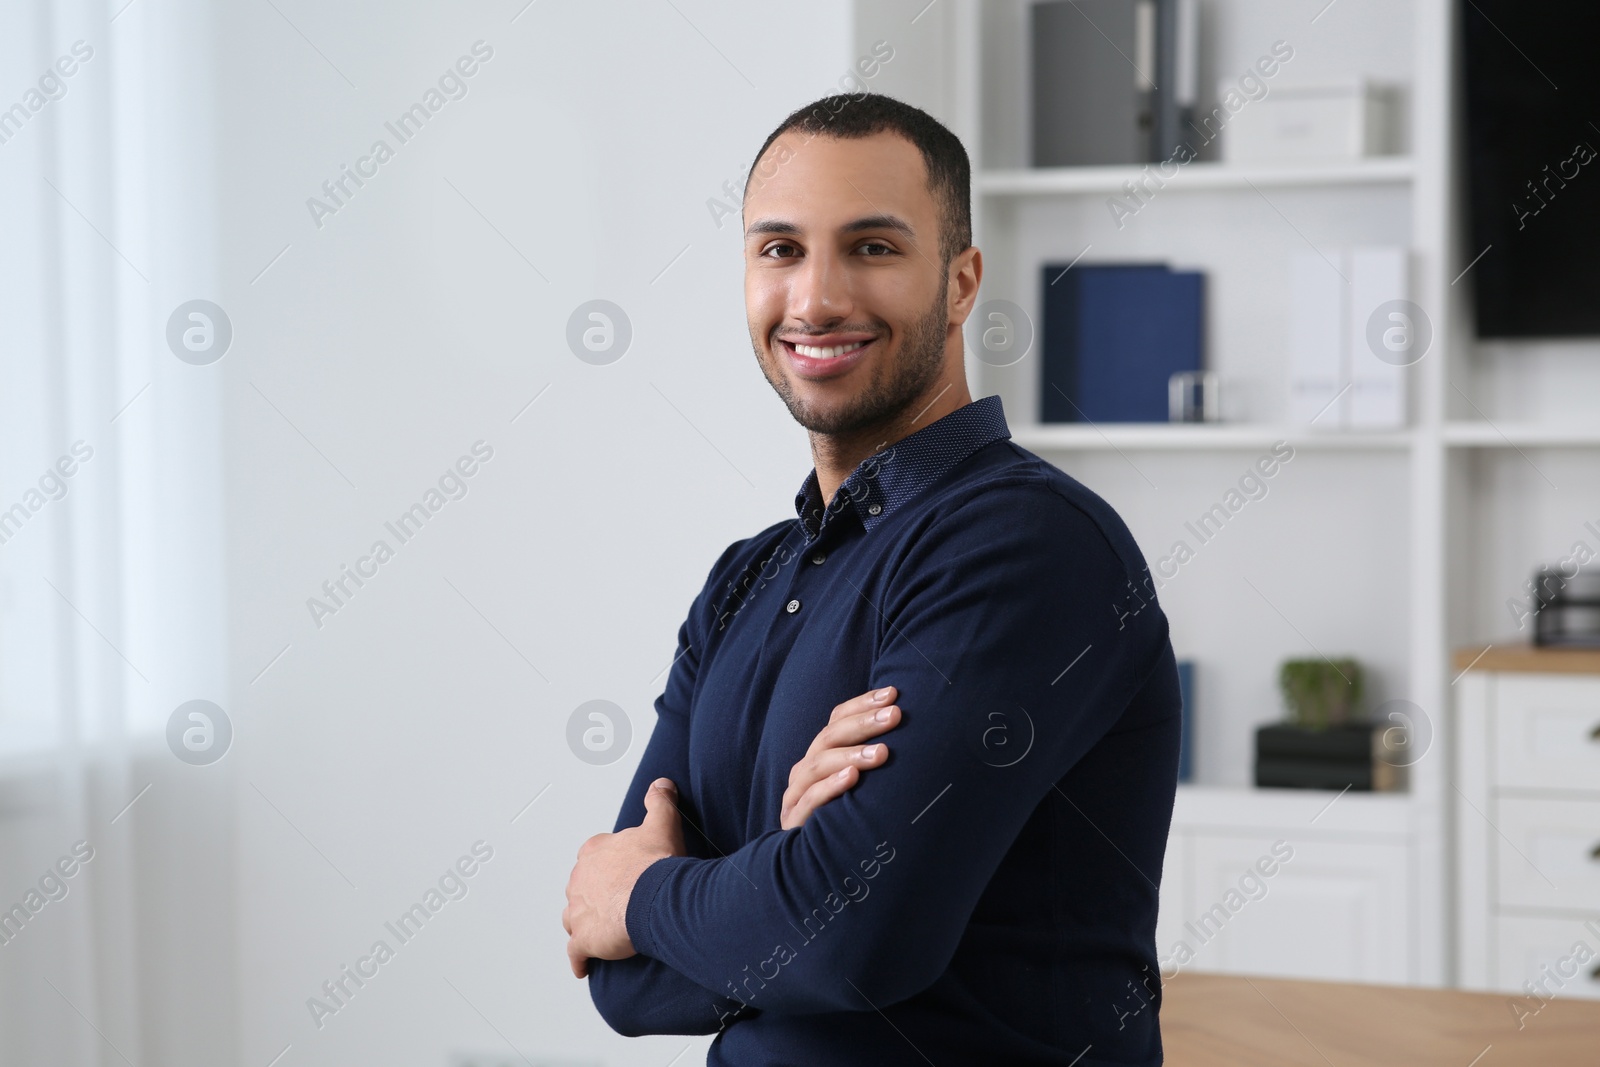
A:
<point x="1349" y="552"/>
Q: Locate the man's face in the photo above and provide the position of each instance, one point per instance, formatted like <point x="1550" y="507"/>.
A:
<point x="844" y="290"/>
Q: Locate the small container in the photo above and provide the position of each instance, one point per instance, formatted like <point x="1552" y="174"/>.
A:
<point x="1567" y="608"/>
<point x="1326" y="123"/>
<point x="1193" y="396"/>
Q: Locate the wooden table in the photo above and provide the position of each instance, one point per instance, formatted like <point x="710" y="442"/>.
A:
<point x="1226" y="1021"/>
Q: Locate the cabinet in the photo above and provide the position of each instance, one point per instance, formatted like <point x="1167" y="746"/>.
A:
<point x="1289" y="883"/>
<point x="1528" y="822"/>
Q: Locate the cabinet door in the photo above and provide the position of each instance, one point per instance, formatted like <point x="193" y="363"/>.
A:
<point x="1336" y="909"/>
<point x="1547" y="853"/>
<point x="1174" y="897"/>
<point x="1560" y="956"/>
<point x="1547" y="729"/>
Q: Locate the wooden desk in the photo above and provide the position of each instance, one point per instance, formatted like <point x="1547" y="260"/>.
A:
<point x="1226" y="1021"/>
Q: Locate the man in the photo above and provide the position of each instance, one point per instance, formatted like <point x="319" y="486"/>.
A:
<point x="979" y="887"/>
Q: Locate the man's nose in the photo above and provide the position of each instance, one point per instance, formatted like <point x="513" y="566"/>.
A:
<point x="820" y="292"/>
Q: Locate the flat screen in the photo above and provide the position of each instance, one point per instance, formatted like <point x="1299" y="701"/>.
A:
<point x="1533" y="165"/>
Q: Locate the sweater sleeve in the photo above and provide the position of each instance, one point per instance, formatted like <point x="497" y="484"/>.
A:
<point x="639" y="995"/>
<point x="1015" y="650"/>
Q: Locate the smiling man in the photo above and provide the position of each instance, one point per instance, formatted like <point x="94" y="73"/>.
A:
<point x="979" y="887"/>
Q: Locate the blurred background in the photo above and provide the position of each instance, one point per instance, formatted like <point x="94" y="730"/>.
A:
<point x="241" y="345"/>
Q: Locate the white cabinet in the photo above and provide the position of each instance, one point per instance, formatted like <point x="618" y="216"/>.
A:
<point x="1547" y="953"/>
<point x="1290" y="883"/>
<point x="1528" y="827"/>
<point x="1548" y="734"/>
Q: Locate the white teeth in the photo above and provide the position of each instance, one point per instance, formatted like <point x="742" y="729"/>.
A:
<point x="831" y="352"/>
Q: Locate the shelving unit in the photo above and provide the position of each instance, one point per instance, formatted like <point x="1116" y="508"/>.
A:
<point x="1394" y="546"/>
<point x="1347" y="553"/>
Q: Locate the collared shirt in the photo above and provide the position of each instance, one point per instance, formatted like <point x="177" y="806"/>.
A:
<point x="986" y="895"/>
<point x="891" y="476"/>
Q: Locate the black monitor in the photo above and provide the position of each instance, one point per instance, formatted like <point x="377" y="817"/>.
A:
<point x="1533" y="165"/>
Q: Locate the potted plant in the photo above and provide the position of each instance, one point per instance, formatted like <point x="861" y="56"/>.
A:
<point x="1325" y="743"/>
<point x="1319" y="692"/>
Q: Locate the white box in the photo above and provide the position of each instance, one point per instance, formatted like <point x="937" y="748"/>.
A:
<point x="1377" y="396"/>
<point x="1306" y="124"/>
<point x="1336" y="380"/>
<point x="1317" y="319"/>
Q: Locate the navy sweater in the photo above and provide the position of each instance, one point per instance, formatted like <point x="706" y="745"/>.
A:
<point x="988" y="895"/>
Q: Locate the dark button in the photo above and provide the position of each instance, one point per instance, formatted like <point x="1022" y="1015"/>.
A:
<point x="819" y="557"/>
<point x="873" y="509"/>
<point x="792" y="607"/>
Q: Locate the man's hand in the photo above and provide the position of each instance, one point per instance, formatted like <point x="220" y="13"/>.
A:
<point x="835" y="760"/>
<point x="608" y="866"/>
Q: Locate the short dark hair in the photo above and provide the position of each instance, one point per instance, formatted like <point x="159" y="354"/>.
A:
<point x="854" y="115"/>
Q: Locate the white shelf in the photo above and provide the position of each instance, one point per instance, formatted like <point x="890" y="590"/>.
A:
<point x="1477" y="434"/>
<point x="1146" y="436"/>
<point x="1375" y="815"/>
<point x="1047" y="181"/>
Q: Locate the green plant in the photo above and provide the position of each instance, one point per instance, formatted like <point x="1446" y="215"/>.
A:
<point x="1320" y="693"/>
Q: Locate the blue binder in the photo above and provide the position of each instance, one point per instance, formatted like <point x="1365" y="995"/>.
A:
<point x="1113" y="334"/>
<point x="1186" y="744"/>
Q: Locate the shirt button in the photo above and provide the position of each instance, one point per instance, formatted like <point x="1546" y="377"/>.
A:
<point x="792" y="607"/>
<point x="873" y="509"/>
<point x="819" y="557"/>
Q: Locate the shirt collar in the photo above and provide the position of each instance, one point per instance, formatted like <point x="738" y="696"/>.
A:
<point x="890" y="477"/>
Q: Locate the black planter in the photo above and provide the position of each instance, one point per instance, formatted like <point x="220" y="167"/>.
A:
<point x="1338" y="757"/>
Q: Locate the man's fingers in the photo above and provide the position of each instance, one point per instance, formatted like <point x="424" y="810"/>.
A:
<point x="870" y="699"/>
<point x="831" y="761"/>
<point x="855" y="729"/>
<point x="661" y="799"/>
<point x="577" y="960"/>
<point x="829" y="788"/>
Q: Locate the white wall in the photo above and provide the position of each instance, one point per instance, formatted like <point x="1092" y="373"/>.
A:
<point x="375" y="352"/>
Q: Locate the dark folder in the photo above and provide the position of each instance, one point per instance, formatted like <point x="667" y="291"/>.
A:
<point x="1113" y="335"/>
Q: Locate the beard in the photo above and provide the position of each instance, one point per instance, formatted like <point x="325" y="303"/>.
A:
<point x="898" y="379"/>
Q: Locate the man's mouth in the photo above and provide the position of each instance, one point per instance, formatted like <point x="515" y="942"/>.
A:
<point x="831" y="357"/>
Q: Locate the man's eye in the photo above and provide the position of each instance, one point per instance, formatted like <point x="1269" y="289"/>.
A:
<point x="883" y="249"/>
<point x="781" y="248"/>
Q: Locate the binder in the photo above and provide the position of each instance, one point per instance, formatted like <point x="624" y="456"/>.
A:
<point x="1186" y="737"/>
<point x="1094" y="64"/>
<point x="1113" y="335"/>
<point x="1377" y="386"/>
<point x="1333" y="367"/>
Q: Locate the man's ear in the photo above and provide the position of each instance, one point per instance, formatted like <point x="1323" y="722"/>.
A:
<point x="966" y="273"/>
